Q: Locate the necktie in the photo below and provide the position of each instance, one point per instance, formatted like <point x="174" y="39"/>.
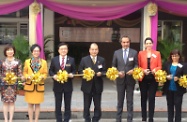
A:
<point x="93" y="59"/>
<point x="125" y="56"/>
<point x="62" y="64"/>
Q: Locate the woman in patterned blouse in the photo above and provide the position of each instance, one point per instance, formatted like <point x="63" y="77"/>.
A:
<point x="8" y="92"/>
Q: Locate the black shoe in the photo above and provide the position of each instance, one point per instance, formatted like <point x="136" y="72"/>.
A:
<point x="143" y="120"/>
<point x="87" y="120"/>
<point x="118" y="120"/>
<point x="151" y="120"/>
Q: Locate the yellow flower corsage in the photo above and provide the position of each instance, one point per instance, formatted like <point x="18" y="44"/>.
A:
<point x="88" y="74"/>
<point x="183" y="81"/>
<point x="137" y="74"/>
<point x="112" y="73"/>
<point x="160" y="76"/>
<point x="62" y="76"/>
<point x="36" y="78"/>
<point x="10" y="78"/>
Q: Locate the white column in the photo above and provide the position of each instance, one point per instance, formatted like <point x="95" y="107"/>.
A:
<point x="32" y="26"/>
<point x="145" y="27"/>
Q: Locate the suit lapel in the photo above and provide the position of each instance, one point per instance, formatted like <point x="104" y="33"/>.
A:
<point x="152" y="56"/>
<point x="67" y="61"/>
<point x="129" y="55"/>
<point x="169" y="68"/>
<point x="58" y="62"/>
<point x="97" y="60"/>
<point x="178" y="69"/>
<point x="91" y="62"/>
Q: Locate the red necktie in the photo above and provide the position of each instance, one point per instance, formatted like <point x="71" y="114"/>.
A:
<point x="62" y="64"/>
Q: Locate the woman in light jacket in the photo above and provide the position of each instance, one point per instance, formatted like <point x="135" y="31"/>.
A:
<point x="34" y="93"/>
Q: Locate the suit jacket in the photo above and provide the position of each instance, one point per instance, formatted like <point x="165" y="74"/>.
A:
<point x="28" y="71"/>
<point x="179" y="73"/>
<point x="185" y="68"/>
<point x="99" y="66"/>
<point x="69" y="67"/>
<point x="131" y="63"/>
<point x="155" y="62"/>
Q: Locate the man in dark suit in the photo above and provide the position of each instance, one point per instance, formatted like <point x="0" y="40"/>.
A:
<point x="92" y="89"/>
<point x="125" y="60"/>
<point x="62" y="62"/>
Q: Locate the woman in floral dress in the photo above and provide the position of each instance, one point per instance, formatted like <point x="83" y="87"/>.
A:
<point x="8" y="92"/>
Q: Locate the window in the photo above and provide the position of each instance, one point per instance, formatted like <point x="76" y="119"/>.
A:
<point x="13" y="24"/>
<point x="7" y="32"/>
<point x="170" y="30"/>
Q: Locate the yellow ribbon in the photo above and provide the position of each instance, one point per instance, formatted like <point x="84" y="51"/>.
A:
<point x="62" y="76"/>
<point x="183" y="81"/>
<point x="160" y="76"/>
<point x="137" y="73"/>
<point x="112" y="73"/>
<point x="10" y="78"/>
<point x="88" y="74"/>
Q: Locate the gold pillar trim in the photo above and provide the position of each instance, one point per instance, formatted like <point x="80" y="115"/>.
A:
<point x="36" y="8"/>
<point x="152" y="9"/>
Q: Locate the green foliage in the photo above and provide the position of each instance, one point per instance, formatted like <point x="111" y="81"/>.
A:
<point x="160" y="88"/>
<point x="20" y="85"/>
<point x="166" y="46"/>
<point x="47" y="52"/>
<point x="22" y="48"/>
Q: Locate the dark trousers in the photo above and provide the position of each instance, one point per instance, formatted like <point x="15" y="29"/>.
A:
<point x="97" y="106"/>
<point x="67" y="106"/>
<point x="148" y="87"/>
<point x="122" y="90"/>
<point x="174" y="101"/>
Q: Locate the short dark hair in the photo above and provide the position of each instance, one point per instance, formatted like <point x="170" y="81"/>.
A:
<point x="34" y="46"/>
<point x="7" y="47"/>
<point x="62" y="44"/>
<point x="148" y="38"/>
<point x="175" y="52"/>
<point x="125" y="37"/>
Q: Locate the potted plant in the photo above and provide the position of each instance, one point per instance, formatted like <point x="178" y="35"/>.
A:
<point x="159" y="91"/>
<point x="20" y="88"/>
<point x="22" y="48"/>
<point x="165" y="46"/>
<point x="47" y="52"/>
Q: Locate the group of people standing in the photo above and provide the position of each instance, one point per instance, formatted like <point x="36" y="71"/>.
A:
<point x="124" y="59"/>
<point x="34" y="93"/>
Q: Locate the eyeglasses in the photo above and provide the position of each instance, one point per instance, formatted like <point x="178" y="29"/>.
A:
<point x="36" y="50"/>
<point x="148" y="43"/>
<point x="174" y="55"/>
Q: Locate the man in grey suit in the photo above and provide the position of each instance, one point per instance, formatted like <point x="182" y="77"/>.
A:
<point x="125" y="60"/>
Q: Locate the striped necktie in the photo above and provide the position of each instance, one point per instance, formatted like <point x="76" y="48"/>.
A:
<point x="62" y="64"/>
